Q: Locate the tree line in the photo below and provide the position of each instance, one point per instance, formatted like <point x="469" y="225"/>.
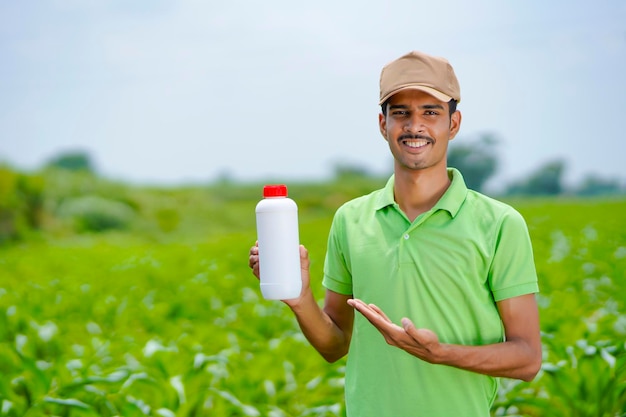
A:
<point x="478" y="162"/>
<point x="23" y="196"/>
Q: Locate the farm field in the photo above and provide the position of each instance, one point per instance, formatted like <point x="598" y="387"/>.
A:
<point x="127" y="323"/>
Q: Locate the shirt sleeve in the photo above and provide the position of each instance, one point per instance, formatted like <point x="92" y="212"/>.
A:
<point x="512" y="271"/>
<point x="337" y="275"/>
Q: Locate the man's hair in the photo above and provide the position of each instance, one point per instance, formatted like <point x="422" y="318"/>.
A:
<point x="451" y="106"/>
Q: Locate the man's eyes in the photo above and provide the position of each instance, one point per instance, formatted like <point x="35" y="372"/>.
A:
<point x="406" y="113"/>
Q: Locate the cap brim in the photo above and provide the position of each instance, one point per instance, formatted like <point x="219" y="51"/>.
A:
<point x="428" y="90"/>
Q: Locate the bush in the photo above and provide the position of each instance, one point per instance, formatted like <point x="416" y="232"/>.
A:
<point x="21" y="204"/>
<point x="96" y="214"/>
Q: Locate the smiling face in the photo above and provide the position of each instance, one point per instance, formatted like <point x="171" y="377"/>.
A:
<point x="417" y="128"/>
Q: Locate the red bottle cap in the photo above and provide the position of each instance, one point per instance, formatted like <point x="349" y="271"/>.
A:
<point x="279" y="190"/>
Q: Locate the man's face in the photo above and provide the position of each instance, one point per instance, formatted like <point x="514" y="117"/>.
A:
<point x="417" y="128"/>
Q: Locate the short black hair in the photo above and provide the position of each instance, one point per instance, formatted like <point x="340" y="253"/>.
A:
<point x="451" y="105"/>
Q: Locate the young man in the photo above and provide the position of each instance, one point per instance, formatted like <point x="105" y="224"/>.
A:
<point x="442" y="278"/>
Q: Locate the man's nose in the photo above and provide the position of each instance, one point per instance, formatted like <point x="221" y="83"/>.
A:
<point x="413" y="124"/>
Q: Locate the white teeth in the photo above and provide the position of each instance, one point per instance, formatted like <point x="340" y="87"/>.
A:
<point x="416" y="143"/>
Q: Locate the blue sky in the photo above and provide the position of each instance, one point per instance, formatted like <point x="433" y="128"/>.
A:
<point x="172" y="92"/>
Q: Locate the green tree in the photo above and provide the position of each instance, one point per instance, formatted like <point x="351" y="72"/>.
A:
<point x="72" y="161"/>
<point x="345" y="170"/>
<point x="477" y="160"/>
<point x="547" y="180"/>
<point x="593" y="185"/>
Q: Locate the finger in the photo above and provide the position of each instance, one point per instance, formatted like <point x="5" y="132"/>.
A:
<point x="424" y="337"/>
<point x="360" y="306"/>
<point x="368" y="312"/>
<point x="412" y="331"/>
<point x="357" y="304"/>
<point x="252" y="260"/>
<point x="253" y="263"/>
<point x="408" y="325"/>
<point x="379" y="311"/>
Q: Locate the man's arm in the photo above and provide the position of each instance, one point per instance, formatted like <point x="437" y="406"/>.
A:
<point x="329" y="330"/>
<point x="519" y="356"/>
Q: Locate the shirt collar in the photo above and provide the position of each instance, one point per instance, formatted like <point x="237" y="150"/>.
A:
<point x="450" y="201"/>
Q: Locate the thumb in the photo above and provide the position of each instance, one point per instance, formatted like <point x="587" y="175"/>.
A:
<point x="423" y="336"/>
<point x="407" y="324"/>
<point x="304" y="257"/>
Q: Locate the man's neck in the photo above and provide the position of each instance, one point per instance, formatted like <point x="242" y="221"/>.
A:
<point x="418" y="191"/>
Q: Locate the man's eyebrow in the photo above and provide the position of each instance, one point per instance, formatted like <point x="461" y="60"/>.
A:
<point x="432" y="106"/>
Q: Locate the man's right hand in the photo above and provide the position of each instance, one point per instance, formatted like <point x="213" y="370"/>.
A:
<point x="253" y="263"/>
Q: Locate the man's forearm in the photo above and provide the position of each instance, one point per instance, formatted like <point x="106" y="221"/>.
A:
<point x="519" y="357"/>
<point x="320" y="329"/>
<point x="510" y="359"/>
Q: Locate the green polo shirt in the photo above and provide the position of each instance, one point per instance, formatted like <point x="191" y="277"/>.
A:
<point x="445" y="271"/>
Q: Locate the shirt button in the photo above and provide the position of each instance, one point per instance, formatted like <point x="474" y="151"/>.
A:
<point x="406" y="236"/>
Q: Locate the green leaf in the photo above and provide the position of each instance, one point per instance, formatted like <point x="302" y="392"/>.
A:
<point x="70" y="402"/>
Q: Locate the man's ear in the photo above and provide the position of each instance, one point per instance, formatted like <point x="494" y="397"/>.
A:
<point x="382" y="125"/>
<point x="455" y="124"/>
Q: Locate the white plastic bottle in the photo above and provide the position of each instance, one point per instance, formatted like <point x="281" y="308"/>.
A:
<point x="279" y="244"/>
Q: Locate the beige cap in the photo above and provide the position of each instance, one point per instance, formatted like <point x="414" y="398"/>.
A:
<point x="420" y="71"/>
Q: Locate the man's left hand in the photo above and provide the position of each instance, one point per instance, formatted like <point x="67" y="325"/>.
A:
<point x="422" y="343"/>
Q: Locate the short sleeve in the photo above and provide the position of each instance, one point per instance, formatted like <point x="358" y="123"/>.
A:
<point x="337" y="275"/>
<point x="512" y="271"/>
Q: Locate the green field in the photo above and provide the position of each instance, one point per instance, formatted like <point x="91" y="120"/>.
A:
<point x="163" y="317"/>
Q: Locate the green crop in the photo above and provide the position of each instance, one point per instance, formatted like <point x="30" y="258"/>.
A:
<point x="167" y="320"/>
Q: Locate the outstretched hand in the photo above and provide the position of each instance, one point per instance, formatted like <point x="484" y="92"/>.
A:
<point x="422" y="343"/>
